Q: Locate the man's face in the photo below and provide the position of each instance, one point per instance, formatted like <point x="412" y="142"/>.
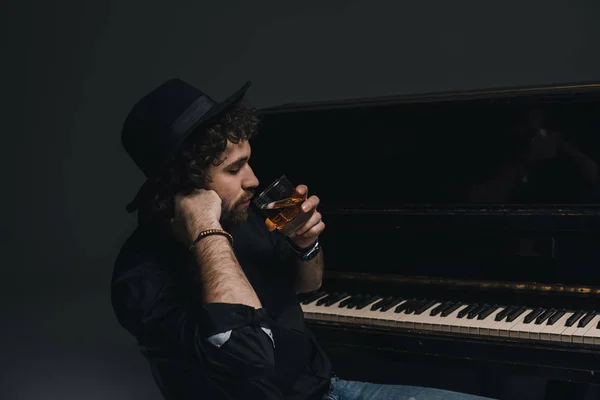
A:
<point x="234" y="181"/>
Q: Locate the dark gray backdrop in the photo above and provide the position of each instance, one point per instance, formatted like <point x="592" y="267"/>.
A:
<point x="71" y="71"/>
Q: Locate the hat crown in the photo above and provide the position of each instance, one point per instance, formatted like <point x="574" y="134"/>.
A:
<point x="148" y="133"/>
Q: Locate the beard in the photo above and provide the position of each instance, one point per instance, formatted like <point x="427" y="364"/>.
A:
<point x="235" y="214"/>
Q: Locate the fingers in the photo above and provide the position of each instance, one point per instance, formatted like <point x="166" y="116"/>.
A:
<point x="302" y="190"/>
<point x="310" y="204"/>
<point x="309" y="226"/>
<point x="314" y="231"/>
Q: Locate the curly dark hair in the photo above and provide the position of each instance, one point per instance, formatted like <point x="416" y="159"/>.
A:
<point x="187" y="170"/>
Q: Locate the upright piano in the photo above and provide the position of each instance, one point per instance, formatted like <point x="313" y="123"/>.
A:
<point x="462" y="228"/>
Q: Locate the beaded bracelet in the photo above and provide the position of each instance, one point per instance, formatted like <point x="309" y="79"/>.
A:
<point x="209" y="232"/>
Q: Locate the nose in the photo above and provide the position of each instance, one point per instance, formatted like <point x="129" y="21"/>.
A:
<point x="251" y="181"/>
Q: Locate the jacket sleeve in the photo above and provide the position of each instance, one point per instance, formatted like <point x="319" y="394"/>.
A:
<point x="230" y="340"/>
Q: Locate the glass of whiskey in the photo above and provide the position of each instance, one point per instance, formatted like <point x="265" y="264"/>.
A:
<point x="281" y="205"/>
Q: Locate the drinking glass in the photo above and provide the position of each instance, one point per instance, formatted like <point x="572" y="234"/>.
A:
<point x="281" y="205"/>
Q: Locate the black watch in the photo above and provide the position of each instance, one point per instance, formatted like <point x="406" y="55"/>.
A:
<point x="307" y="253"/>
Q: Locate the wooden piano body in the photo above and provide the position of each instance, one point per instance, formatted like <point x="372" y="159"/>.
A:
<point x="452" y="198"/>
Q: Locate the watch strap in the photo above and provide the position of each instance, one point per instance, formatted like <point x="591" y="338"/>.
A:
<point x="307" y="253"/>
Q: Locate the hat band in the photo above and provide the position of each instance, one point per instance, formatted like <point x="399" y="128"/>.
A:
<point x="191" y="114"/>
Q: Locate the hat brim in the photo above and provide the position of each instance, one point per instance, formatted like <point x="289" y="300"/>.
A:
<point x="216" y="111"/>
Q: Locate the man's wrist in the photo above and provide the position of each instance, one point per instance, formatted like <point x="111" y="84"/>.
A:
<point x="201" y="226"/>
<point x="305" y="253"/>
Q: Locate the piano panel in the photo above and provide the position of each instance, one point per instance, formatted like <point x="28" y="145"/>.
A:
<point x="437" y="151"/>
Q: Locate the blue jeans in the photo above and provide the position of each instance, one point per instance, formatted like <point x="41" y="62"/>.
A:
<point x="353" y="390"/>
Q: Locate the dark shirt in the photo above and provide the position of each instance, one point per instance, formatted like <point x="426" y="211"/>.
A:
<point x="269" y="352"/>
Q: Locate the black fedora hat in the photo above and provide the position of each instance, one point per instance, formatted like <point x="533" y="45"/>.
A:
<point x="159" y="123"/>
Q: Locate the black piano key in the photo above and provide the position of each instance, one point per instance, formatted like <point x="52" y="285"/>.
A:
<point x="598" y="326"/>
<point x="451" y="309"/>
<point x="381" y="303"/>
<point x="515" y="314"/>
<point x="556" y="316"/>
<point x="533" y="315"/>
<point x="502" y="314"/>
<point x="323" y="300"/>
<point x="441" y="308"/>
<point x="378" y="304"/>
<point x="487" y="311"/>
<point x="418" y="304"/>
<point x="473" y="313"/>
<point x="347" y="302"/>
<point x="405" y="305"/>
<point x="358" y="300"/>
<point x="334" y="299"/>
<point x="424" y="307"/>
<point x="467" y="310"/>
<point x="366" y="301"/>
<point x="573" y="318"/>
<point x="586" y="319"/>
<point x="544" y="316"/>
<point x="391" y="304"/>
<point x="313" y="297"/>
<point x="410" y="308"/>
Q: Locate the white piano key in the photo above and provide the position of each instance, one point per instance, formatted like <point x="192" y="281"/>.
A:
<point x="410" y="321"/>
<point x="592" y="336"/>
<point x="437" y="324"/>
<point x="536" y="330"/>
<point x="502" y="328"/>
<point x="355" y="315"/>
<point x="423" y="321"/>
<point x="546" y="330"/>
<point x="407" y="321"/>
<point x="580" y="333"/>
<point x="484" y="328"/>
<point x="474" y="328"/>
<point x="345" y="314"/>
<point x="567" y="334"/>
<point x="327" y="313"/>
<point x="521" y="329"/>
<point x="451" y="319"/>
<point x="389" y="317"/>
<point x="432" y="323"/>
<point x="373" y="315"/>
<point x="462" y="325"/>
<point x="559" y="327"/>
<point x="308" y="309"/>
<point x="364" y="315"/>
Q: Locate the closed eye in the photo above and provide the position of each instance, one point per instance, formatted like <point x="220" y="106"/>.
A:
<point x="237" y="165"/>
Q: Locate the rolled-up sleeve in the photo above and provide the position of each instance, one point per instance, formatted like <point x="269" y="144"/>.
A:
<point x="229" y="339"/>
<point x="236" y="338"/>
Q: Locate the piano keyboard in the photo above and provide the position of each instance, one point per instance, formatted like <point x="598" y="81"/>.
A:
<point x="482" y="320"/>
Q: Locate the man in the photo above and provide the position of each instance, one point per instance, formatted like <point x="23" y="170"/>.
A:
<point x="204" y="285"/>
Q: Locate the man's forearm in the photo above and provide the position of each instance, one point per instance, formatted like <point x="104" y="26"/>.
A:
<point x="222" y="278"/>
<point x="309" y="274"/>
